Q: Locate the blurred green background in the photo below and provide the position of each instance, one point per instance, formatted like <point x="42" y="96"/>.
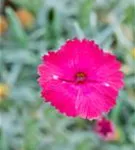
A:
<point x="28" y="29"/>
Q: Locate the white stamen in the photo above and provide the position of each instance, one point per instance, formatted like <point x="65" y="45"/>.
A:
<point x="106" y="84"/>
<point x="55" y="77"/>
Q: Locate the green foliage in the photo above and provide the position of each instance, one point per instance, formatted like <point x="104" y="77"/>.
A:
<point x="26" y="122"/>
<point x="84" y="12"/>
<point x="16" y="27"/>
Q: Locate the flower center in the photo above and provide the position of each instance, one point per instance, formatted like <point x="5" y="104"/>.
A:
<point x="80" y="77"/>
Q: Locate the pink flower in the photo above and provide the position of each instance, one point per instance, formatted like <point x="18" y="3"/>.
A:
<point x="105" y="129"/>
<point x="80" y="79"/>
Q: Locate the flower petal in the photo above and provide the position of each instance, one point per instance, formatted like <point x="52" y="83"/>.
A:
<point x="94" y="100"/>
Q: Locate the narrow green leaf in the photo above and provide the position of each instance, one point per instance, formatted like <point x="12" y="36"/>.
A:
<point x="84" y="12"/>
<point x="16" y="27"/>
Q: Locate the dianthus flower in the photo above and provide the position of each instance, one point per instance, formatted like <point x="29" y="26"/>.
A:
<point x="80" y="79"/>
<point x="106" y="129"/>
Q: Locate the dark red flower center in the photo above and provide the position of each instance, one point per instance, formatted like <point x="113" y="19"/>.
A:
<point x="80" y="77"/>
